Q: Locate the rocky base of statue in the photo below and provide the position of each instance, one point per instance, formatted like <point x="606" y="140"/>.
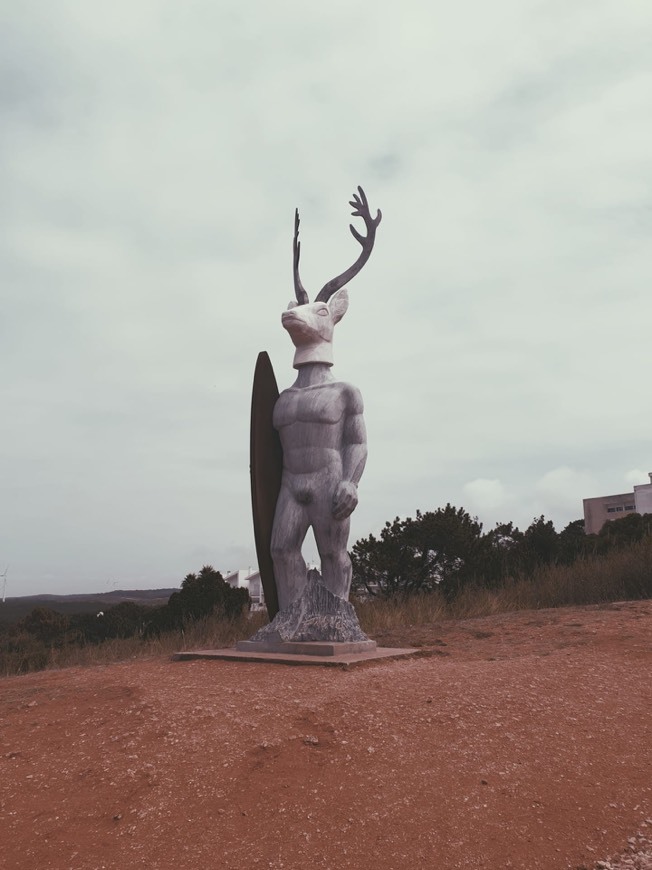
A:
<point x="317" y="623"/>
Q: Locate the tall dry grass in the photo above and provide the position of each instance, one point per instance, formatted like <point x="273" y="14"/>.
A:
<point x="211" y="632"/>
<point x="620" y="575"/>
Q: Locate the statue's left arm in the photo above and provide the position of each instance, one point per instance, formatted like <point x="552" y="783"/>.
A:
<point x="353" y="455"/>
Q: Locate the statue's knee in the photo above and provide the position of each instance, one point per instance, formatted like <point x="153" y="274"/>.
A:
<point x="336" y="558"/>
<point x="278" y="552"/>
<point x="281" y="553"/>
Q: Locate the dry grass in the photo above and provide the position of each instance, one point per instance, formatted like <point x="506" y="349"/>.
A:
<point x="210" y="632"/>
<point x="378" y="616"/>
<point x="622" y="575"/>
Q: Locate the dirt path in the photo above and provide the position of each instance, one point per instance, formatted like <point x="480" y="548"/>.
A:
<point x="520" y="741"/>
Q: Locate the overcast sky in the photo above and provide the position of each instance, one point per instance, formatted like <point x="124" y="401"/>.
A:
<point x="152" y="153"/>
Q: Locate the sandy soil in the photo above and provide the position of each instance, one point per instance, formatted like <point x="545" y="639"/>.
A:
<point x="518" y="741"/>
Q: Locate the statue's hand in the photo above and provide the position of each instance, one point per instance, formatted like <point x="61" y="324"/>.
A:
<point x="345" y="500"/>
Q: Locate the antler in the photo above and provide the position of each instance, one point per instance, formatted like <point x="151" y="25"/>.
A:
<point x="302" y="296"/>
<point x="360" y="209"/>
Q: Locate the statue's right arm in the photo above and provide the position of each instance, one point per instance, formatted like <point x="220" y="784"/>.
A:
<point x="353" y="455"/>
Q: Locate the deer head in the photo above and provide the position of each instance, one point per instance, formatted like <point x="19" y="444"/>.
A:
<point x="311" y="325"/>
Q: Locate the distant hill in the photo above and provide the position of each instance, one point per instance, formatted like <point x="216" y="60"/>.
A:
<point x="14" y="609"/>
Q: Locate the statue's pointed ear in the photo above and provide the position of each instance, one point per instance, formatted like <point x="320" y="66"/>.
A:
<point x="338" y="303"/>
<point x="292" y="304"/>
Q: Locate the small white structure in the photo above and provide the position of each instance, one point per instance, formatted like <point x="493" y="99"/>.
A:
<point x="245" y="578"/>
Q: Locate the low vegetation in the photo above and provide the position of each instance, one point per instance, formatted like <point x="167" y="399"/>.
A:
<point x="442" y="565"/>
<point x="206" y="611"/>
<point x="438" y="566"/>
<point x="447" y="551"/>
<point x="619" y="575"/>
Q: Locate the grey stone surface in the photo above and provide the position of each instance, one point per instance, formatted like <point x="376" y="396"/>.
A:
<point x="323" y="438"/>
<point x="315" y="615"/>
<point x="344" y="661"/>
<point x="309" y="648"/>
<point x="322" y="433"/>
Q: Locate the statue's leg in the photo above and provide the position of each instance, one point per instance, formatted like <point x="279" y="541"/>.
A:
<point x="289" y="530"/>
<point x="332" y="537"/>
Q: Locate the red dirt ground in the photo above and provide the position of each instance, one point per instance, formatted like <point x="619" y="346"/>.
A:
<point x="516" y="741"/>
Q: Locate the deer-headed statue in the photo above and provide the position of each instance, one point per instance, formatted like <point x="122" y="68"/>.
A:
<point x="320" y="423"/>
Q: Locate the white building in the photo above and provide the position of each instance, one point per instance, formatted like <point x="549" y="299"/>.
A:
<point x="643" y="497"/>
<point x="250" y="580"/>
<point x="597" y="511"/>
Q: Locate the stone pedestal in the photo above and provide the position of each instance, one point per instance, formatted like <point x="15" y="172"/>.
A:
<point x="337" y="660"/>
<point x="309" y="648"/>
<point x="315" y="617"/>
<point x="317" y="629"/>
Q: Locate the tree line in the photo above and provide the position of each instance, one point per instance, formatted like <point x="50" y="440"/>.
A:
<point x="446" y="549"/>
<point x="203" y="594"/>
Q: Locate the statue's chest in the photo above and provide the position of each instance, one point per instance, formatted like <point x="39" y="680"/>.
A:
<point x="323" y="405"/>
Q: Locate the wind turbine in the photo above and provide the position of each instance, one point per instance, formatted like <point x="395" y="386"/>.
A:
<point x="4" y="583"/>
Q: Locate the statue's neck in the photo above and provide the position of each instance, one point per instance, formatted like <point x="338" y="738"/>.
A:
<point x="313" y="374"/>
<point x="319" y="352"/>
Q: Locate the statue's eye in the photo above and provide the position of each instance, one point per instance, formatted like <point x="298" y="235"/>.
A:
<point x="323" y="312"/>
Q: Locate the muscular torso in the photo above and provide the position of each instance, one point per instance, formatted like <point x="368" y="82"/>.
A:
<point x="311" y="422"/>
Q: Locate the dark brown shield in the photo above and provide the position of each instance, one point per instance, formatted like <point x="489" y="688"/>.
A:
<point x="266" y="458"/>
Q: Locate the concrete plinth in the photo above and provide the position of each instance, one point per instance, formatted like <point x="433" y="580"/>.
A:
<point x="306" y="648"/>
<point x="343" y="660"/>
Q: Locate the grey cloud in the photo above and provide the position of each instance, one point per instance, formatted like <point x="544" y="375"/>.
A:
<point x="153" y="156"/>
